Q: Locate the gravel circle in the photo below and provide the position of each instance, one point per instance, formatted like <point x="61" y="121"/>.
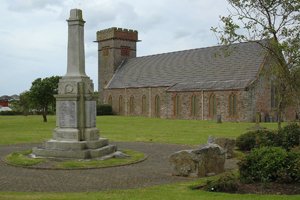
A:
<point x="155" y="170"/>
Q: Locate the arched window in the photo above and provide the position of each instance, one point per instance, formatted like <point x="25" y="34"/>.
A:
<point x="212" y="105"/>
<point x="157" y="106"/>
<point x="273" y="96"/>
<point x="193" y="105"/>
<point x="121" y="108"/>
<point x="176" y="105"/>
<point x="109" y="100"/>
<point x="232" y="105"/>
<point x="131" y="105"/>
<point x="144" y="106"/>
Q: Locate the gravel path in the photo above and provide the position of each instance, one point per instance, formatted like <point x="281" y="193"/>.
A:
<point x="153" y="171"/>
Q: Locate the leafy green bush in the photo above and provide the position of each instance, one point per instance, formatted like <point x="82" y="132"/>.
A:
<point x="104" y="109"/>
<point x="290" y="136"/>
<point x="252" y="139"/>
<point x="226" y="183"/>
<point x="246" y="141"/>
<point x="292" y="172"/>
<point x="10" y="113"/>
<point x="268" y="164"/>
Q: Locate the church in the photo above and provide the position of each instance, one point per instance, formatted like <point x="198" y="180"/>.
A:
<point x="231" y="83"/>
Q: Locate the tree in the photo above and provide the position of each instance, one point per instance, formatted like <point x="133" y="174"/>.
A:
<point x="24" y="104"/>
<point x="278" y="23"/>
<point x="42" y="93"/>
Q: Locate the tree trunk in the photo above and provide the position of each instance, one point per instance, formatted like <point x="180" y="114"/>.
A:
<point x="44" y="113"/>
<point x="279" y="121"/>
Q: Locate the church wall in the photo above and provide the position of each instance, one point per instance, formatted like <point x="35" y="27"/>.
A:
<point x="260" y="98"/>
<point x="257" y="98"/>
<point x="134" y="96"/>
<point x="167" y="101"/>
<point x="222" y="105"/>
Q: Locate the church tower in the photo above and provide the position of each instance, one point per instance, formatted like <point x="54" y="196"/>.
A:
<point x="115" y="45"/>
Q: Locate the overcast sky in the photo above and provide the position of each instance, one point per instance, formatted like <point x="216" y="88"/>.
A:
<point x="33" y="33"/>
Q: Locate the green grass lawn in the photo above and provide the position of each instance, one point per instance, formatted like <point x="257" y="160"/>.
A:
<point x="179" y="191"/>
<point x="19" y="129"/>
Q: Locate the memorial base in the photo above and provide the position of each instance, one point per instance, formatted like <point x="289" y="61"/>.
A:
<point x="75" y="149"/>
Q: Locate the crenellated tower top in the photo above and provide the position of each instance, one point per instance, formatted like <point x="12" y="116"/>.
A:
<point x="117" y="33"/>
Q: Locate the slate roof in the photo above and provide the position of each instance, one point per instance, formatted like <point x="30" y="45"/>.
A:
<point x="208" y="68"/>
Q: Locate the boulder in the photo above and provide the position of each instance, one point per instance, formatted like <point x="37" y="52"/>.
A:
<point x="226" y="143"/>
<point x="204" y="161"/>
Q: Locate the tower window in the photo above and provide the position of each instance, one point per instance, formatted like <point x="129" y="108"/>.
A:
<point x="125" y="51"/>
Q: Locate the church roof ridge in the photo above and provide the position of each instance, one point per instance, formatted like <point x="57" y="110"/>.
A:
<point x="201" y="48"/>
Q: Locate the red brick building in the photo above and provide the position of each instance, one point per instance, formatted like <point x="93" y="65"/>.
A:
<point x="4" y="103"/>
<point x="4" y="100"/>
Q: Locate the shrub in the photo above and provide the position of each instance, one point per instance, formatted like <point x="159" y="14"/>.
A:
<point x="290" y="136"/>
<point x="226" y="183"/>
<point x="292" y="172"/>
<point x="10" y="113"/>
<point x="104" y="109"/>
<point x="252" y="139"/>
<point x="246" y="141"/>
<point x="268" y="164"/>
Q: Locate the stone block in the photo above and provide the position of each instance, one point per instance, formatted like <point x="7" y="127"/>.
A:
<point x="184" y="163"/>
<point x="66" y="134"/>
<point x="91" y="134"/>
<point x="208" y="159"/>
<point x="54" y="153"/>
<point x="65" y="145"/>
<point x="90" y="114"/>
<point x="97" y="144"/>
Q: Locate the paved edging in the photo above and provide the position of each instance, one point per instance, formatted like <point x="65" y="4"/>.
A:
<point x="153" y="171"/>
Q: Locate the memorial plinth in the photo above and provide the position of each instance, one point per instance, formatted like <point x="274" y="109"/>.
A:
<point x="75" y="135"/>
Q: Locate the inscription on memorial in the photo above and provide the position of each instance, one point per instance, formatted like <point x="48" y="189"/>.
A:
<point x="67" y="114"/>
